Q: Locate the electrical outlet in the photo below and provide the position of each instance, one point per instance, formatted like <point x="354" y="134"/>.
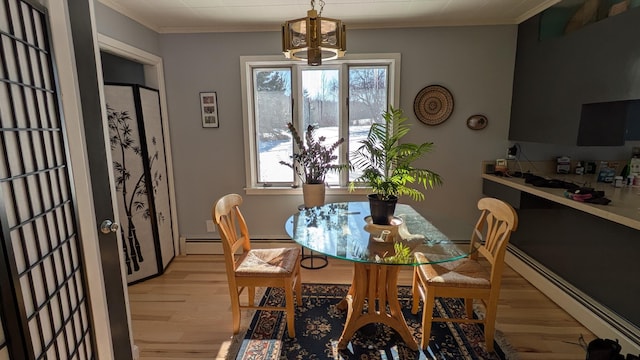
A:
<point x="512" y="152"/>
<point x="211" y="227"/>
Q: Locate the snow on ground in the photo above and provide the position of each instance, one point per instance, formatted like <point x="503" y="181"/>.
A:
<point x="272" y="171"/>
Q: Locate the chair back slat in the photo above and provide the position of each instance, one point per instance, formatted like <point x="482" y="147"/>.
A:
<point x="477" y="237"/>
<point x="232" y="226"/>
<point x="497" y="221"/>
<point x="491" y="234"/>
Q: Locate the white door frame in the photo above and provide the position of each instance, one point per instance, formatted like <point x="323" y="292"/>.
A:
<point x="154" y="78"/>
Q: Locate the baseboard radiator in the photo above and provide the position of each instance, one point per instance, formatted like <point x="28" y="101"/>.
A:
<point x="594" y="316"/>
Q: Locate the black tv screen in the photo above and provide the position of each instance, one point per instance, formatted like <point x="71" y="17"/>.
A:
<point x="607" y="123"/>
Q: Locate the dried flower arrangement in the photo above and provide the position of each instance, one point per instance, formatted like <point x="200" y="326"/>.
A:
<point x="313" y="160"/>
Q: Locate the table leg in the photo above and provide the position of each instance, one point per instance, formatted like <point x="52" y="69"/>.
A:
<point x="378" y="284"/>
<point x="344" y="304"/>
<point x="310" y="257"/>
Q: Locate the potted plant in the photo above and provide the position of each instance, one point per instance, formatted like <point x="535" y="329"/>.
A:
<point x="387" y="166"/>
<point x="311" y="161"/>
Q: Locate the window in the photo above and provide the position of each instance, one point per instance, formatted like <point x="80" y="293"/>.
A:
<point x="340" y="99"/>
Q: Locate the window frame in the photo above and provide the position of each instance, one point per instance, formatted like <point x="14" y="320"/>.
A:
<point x="248" y="63"/>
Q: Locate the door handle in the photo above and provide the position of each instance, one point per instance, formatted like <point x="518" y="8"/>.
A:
<point x="109" y="226"/>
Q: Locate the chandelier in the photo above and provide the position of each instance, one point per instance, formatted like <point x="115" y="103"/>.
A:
<point x="314" y="38"/>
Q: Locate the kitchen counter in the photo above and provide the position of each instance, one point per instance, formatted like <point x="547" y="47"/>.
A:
<point x="581" y="255"/>
<point x="624" y="207"/>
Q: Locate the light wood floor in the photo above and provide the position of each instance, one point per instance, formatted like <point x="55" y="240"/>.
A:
<point x="185" y="313"/>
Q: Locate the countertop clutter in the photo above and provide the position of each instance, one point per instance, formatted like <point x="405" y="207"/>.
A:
<point x="573" y="191"/>
<point x="624" y="207"/>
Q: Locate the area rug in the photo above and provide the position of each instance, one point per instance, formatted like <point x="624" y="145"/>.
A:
<point x="319" y="325"/>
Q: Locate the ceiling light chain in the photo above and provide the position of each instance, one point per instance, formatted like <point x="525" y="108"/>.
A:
<point x="321" y="6"/>
<point x="314" y="38"/>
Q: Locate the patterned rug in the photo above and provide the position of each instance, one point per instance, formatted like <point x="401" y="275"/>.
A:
<point x="319" y="325"/>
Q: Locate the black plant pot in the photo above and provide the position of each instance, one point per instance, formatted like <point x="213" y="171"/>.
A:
<point x="382" y="210"/>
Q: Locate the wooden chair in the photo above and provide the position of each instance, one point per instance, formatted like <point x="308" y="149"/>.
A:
<point x="467" y="278"/>
<point x="255" y="267"/>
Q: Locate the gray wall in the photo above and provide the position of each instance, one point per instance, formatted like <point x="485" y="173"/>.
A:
<point x="119" y="70"/>
<point x="114" y="25"/>
<point x="554" y="77"/>
<point x="541" y="152"/>
<point x="475" y="63"/>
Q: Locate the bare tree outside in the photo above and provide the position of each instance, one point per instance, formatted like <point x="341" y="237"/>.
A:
<point x="319" y="98"/>
<point x="368" y="99"/>
<point x="367" y="93"/>
<point x="273" y="110"/>
<point x="320" y="90"/>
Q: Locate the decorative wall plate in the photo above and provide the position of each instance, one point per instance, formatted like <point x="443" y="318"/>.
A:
<point x="433" y="105"/>
<point x="477" y="122"/>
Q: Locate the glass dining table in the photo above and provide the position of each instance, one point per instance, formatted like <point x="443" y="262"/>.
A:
<point x="344" y="231"/>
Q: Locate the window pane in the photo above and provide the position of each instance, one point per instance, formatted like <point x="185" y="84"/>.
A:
<point x="368" y="99"/>
<point x="320" y="107"/>
<point x="272" y="99"/>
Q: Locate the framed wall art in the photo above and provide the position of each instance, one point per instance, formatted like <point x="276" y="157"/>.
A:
<point x="209" y="109"/>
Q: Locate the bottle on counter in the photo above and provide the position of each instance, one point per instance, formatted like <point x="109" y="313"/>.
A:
<point x="629" y="179"/>
<point x="625" y="171"/>
<point x="579" y="168"/>
<point x="618" y="181"/>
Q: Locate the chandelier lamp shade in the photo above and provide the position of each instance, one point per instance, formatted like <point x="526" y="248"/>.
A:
<point x="314" y="38"/>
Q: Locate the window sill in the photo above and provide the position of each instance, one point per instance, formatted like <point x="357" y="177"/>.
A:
<point x="298" y="191"/>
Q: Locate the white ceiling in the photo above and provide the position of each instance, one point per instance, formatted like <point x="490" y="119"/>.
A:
<point x="181" y="16"/>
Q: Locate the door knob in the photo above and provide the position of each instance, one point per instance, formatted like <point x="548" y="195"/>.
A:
<point x="109" y="226"/>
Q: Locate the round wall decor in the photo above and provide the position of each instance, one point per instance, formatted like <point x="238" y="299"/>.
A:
<point x="477" y="122"/>
<point x="433" y="105"/>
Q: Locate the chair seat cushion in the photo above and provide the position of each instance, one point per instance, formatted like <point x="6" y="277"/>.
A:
<point x="277" y="262"/>
<point x="459" y="273"/>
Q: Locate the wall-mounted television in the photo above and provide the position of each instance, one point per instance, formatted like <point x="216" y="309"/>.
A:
<point x="609" y="123"/>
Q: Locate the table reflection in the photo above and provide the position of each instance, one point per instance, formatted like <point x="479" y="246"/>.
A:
<point x="343" y="230"/>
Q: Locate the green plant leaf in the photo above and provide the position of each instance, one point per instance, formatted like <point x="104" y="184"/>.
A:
<point x="387" y="163"/>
